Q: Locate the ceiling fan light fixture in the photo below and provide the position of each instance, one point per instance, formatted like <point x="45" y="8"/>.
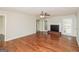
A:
<point x="42" y="16"/>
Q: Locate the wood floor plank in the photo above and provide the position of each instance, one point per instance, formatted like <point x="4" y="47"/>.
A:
<point x="43" y="43"/>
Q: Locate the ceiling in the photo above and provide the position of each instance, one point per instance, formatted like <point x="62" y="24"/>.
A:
<point x="53" y="11"/>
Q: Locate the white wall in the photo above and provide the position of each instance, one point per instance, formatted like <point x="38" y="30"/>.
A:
<point x="18" y="24"/>
<point x="58" y="21"/>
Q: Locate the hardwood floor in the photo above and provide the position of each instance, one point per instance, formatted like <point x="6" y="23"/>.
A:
<point x="43" y="43"/>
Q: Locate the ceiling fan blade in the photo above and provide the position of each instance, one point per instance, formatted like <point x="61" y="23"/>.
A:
<point x="46" y="14"/>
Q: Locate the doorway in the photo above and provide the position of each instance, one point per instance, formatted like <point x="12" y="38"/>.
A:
<point x="41" y="25"/>
<point x="2" y="33"/>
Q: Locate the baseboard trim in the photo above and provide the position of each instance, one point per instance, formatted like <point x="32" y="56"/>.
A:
<point x="77" y="42"/>
<point x="18" y="37"/>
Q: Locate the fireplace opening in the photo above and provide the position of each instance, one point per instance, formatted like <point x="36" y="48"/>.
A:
<point x="54" y="28"/>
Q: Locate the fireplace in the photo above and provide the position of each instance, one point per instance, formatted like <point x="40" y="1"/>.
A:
<point x="54" y="28"/>
<point x="54" y="31"/>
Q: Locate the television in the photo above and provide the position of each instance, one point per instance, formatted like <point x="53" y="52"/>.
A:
<point x="54" y="28"/>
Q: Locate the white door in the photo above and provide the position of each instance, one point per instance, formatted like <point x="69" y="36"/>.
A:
<point x="67" y="26"/>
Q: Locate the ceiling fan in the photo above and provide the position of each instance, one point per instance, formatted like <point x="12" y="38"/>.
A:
<point x="44" y="15"/>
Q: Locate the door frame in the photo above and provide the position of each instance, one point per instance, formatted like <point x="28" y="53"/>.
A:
<point x="5" y="17"/>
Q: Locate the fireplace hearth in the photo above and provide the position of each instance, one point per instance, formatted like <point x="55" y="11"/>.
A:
<point x="54" y="31"/>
